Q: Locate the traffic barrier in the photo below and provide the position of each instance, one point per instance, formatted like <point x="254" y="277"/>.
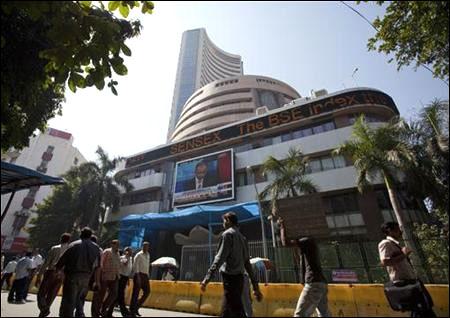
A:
<point x="344" y="300"/>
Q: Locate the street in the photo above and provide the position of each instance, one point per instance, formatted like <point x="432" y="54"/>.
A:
<point x="30" y="309"/>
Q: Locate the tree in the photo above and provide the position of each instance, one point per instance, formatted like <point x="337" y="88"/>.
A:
<point x="289" y="177"/>
<point x="415" y="31"/>
<point x="48" y="44"/>
<point x="88" y="192"/>
<point x="380" y="151"/>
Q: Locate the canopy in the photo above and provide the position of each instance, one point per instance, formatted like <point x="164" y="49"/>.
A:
<point x="133" y="227"/>
<point x="15" y="178"/>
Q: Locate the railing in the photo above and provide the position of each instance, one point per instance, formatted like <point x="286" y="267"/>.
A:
<point x="360" y="257"/>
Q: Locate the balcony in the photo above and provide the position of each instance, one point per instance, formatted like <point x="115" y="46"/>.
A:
<point x="139" y="208"/>
<point x="147" y="182"/>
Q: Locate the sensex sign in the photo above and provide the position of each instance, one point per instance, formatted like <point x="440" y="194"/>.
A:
<point x="281" y="117"/>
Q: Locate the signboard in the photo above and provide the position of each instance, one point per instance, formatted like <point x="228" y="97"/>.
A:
<point x="284" y="116"/>
<point x="204" y="179"/>
<point x="344" y="276"/>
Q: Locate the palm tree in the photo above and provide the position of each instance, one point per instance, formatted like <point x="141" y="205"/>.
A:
<point x="380" y="151"/>
<point x="289" y="177"/>
<point x="98" y="190"/>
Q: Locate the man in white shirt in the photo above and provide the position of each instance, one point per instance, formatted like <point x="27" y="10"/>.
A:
<point x="126" y="269"/>
<point x="36" y="260"/>
<point x="23" y="269"/>
<point x="141" y="267"/>
<point x="8" y="272"/>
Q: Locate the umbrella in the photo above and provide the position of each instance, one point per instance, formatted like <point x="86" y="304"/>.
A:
<point x="261" y="261"/>
<point x="165" y="261"/>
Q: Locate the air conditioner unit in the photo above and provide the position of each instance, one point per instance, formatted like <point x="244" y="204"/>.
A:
<point x="318" y="93"/>
<point x="261" y="110"/>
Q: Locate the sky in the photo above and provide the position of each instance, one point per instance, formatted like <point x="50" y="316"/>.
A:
<point x="308" y="45"/>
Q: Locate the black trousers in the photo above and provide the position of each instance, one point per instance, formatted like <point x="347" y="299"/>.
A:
<point x="232" y="305"/>
<point x="145" y="286"/>
<point x="17" y="290"/>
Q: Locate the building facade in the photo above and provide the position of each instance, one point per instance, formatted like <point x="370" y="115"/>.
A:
<point x="200" y="62"/>
<point x="50" y="153"/>
<point x="222" y="102"/>
<point x="316" y="125"/>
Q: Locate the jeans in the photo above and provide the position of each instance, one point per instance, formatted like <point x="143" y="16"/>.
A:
<point x="48" y="291"/>
<point x="313" y="297"/>
<point x="232" y="296"/>
<point x="74" y="284"/>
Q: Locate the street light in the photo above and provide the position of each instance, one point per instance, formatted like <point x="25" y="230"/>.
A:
<point x="263" y="231"/>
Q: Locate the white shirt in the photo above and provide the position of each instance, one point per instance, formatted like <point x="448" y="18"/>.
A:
<point x="10" y="267"/>
<point x="198" y="183"/>
<point x="141" y="263"/>
<point x="22" y="267"/>
<point x="37" y="261"/>
<point x="126" y="267"/>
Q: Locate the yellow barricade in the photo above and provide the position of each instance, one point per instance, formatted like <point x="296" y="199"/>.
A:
<point x="370" y="301"/>
<point x="439" y="293"/>
<point x="211" y="300"/>
<point x="341" y="301"/>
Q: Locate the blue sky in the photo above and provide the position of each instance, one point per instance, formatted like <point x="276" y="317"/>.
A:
<point x="308" y="45"/>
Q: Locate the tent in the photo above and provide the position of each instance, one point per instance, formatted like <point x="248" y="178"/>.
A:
<point x="134" y="227"/>
<point x="15" y="178"/>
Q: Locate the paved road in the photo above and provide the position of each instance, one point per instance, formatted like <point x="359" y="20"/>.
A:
<point x="30" y="309"/>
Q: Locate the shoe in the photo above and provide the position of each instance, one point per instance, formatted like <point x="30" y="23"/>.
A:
<point x="137" y="313"/>
<point x="44" y="314"/>
<point x="20" y="302"/>
<point x="11" y="301"/>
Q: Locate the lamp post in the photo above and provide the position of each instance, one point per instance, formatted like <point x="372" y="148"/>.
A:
<point x="263" y="231"/>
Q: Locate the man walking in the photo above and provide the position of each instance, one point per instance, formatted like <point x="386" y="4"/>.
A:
<point x="78" y="262"/>
<point x="110" y="267"/>
<point x="314" y="295"/>
<point x="395" y="259"/>
<point x="8" y="272"/>
<point x="126" y="268"/>
<point x="23" y="269"/>
<point x="51" y="282"/>
<point x="233" y="260"/>
<point x="37" y="261"/>
<point x="141" y="267"/>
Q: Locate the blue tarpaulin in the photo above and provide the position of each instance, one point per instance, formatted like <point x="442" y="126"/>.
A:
<point x="185" y="219"/>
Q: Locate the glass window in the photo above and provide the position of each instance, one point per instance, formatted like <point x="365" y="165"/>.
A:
<point x="307" y="132"/>
<point x="356" y="219"/>
<point x="241" y="179"/>
<point x="242" y="148"/>
<point x="330" y="222"/>
<point x="383" y="199"/>
<point x="259" y="177"/>
<point x="286" y="137"/>
<point x="341" y="221"/>
<point x="327" y="163"/>
<point x="315" y="166"/>
<point x="329" y="126"/>
<point x="267" y="98"/>
<point x="297" y="134"/>
<point x="388" y="215"/>
<point x="318" y="129"/>
<point x="339" y="162"/>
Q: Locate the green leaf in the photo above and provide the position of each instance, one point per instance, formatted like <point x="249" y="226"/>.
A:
<point x="85" y="4"/>
<point x="113" y="5"/>
<point x="120" y="69"/>
<point x="78" y="80"/>
<point x="124" y="10"/>
<point x="100" y="84"/>
<point x="72" y="85"/>
<point x="126" y="50"/>
<point x="113" y="89"/>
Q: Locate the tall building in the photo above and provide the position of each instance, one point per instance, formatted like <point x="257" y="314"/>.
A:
<point x="50" y="153"/>
<point x="200" y="62"/>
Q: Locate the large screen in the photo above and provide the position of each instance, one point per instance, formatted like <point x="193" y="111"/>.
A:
<point x="204" y="179"/>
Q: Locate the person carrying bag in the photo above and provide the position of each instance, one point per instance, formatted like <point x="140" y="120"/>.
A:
<point x="404" y="291"/>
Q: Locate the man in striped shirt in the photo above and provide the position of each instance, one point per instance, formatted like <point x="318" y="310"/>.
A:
<point x="51" y="282"/>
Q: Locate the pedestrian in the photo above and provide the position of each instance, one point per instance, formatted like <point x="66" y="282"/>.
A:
<point x="8" y="272"/>
<point x="233" y="260"/>
<point x="37" y="261"/>
<point x="168" y="274"/>
<point x="110" y="268"/>
<point x="23" y="270"/>
<point x="401" y="272"/>
<point x="94" y="286"/>
<point x="141" y="267"/>
<point x="51" y="283"/>
<point x="126" y="268"/>
<point x="314" y="296"/>
<point x="78" y="262"/>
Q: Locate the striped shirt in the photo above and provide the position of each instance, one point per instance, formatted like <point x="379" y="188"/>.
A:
<point x="110" y="264"/>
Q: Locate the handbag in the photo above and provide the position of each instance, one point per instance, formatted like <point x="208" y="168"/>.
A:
<point x="407" y="295"/>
